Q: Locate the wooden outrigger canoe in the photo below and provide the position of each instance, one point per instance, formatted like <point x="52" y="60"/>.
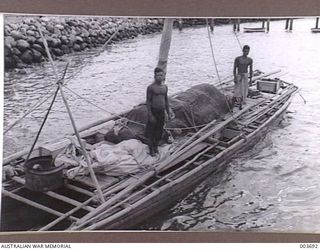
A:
<point x="132" y="200"/>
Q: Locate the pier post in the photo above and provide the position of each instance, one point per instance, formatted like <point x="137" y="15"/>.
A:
<point x="234" y="25"/>
<point x="211" y="24"/>
<point x="268" y="25"/>
<point x="291" y="24"/>
<point x="287" y="24"/>
<point x="317" y="23"/>
<point x="238" y="25"/>
<point x="180" y="24"/>
<point x="263" y="24"/>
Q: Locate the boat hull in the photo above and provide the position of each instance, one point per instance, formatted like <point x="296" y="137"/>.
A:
<point x="167" y="197"/>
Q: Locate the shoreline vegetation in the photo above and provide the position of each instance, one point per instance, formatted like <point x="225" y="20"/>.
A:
<point x="23" y="46"/>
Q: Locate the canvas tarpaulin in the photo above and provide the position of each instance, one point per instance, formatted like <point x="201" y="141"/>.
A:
<point x="194" y="107"/>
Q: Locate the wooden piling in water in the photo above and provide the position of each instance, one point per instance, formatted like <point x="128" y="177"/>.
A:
<point x="287" y="24"/>
<point x="268" y="25"/>
<point x="291" y="24"/>
<point x="211" y="24"/>
<point x="238" y="25"/>
<point x="263" y="24"/>
<point x="317" y="22"/>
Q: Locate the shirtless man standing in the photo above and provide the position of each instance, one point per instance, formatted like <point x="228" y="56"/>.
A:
<point x="157" y="104"/>
<point x="240" y="73"/>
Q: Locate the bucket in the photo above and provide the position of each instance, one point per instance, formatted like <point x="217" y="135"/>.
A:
<point x="42" y="175"/>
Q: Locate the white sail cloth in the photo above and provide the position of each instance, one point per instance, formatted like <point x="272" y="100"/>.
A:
<point x="124" y="158"/>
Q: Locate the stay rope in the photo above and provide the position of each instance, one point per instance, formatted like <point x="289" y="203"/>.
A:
<point x="215" y="64"/>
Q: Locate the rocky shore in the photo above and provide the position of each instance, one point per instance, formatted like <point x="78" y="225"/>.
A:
<point x="23" y="45"/>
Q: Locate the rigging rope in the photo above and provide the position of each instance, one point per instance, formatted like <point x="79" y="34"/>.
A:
<point x="215" y="64"/>
<point x="240" y="45"/>
<point x="212" y="51"/>
<point x="33" y="108"/>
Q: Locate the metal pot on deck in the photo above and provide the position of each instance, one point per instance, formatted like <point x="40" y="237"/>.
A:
<point x="42" y="175"/>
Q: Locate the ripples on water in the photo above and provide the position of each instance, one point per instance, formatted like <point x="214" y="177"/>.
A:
<point x="273" y="187"/>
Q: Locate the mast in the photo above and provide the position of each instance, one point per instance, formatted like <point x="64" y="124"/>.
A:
<point x="165" y="43"/>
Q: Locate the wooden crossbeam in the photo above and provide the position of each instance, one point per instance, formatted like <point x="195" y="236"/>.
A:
<point x="57" y="196"/>
<point x="34" y="204"/>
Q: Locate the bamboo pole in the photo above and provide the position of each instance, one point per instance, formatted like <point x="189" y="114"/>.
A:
<point x="93" y="176"/>
<point x="84" y="151"/>
<point x="56" y="195"/>
<point x="64" y="216"/>
<point x="33" y="204"/>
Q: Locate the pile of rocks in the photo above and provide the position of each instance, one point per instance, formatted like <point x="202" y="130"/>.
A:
<point x="23" y="44"/>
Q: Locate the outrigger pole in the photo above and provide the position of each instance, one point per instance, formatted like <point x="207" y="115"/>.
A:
<point x="59" y="82"/>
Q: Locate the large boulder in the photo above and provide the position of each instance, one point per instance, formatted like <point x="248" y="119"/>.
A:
<point x="30" y="33"/>
<point x="65" y="49"/>
<point x="64" y="40"/>
<point x="7" y="30"/>
<point x="7" y="50"/>
<point x="31" y="40"/>
<point x="9" y="62"/>
<point x="50" y="28"/>
<point x="37" y="56"/>
<point x="17" y="35"/>
<point x="39" y="48"/>
<point x="77" y="47"/>
<point x="79" y="39"/>
<point x="15" y="51"/>
<point x="59" y="26"/>
<point x="57" y="52"/>
<point x="9" y="41"/>
<point x="22" y="45"/>
<point x="27" y="56"/>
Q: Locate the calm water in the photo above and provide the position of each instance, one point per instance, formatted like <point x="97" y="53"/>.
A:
<point x="273" y="187"/>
